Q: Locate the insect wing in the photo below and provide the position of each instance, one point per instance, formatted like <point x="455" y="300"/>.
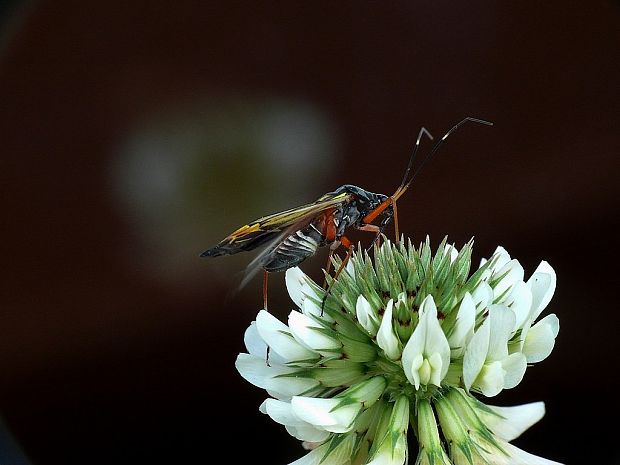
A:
<point x="258" y="262"/>
<point x="292" y="216"/>
<point x="269" y="228"/>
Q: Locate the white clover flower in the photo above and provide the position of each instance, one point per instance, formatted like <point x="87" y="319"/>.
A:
<point x="406" y="338"/>
<point x="487" y="365"/>
<point x="426" y="356"/>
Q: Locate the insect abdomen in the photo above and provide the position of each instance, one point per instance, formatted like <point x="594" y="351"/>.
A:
<point x="294" y="249"/>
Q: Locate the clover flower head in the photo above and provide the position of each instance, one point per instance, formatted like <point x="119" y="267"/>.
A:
<point x="405" y="339"/>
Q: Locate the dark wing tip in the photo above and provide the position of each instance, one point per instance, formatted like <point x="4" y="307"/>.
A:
<point x="214" y="252"/>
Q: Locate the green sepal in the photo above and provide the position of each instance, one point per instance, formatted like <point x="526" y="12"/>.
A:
<point x="338" y="441"/>
<point x="346" y="327"/>
<point x="336" y="373"/>
<point x="357" y="351"/>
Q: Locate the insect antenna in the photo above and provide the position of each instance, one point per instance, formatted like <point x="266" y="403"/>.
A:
<point x="370" y="217"/>
<point x="413" y="155"/>
<point x="405" y="184"/>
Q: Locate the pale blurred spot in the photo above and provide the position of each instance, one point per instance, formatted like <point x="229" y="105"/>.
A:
<point x="187" y="177"/>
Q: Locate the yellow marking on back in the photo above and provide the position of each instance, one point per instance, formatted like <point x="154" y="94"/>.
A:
<point x="243" y="230"/>
<point x="277" y="221"/>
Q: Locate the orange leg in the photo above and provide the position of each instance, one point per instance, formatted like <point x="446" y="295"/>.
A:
<point x="374" y="229"/>
<point x="346" y="243"/>
<point x="396" y="222"/>
<point x="328" y="228"/>
<point x="377" y="211"/>
<point x="328" y="267"/>
<point x="349" y="246"/>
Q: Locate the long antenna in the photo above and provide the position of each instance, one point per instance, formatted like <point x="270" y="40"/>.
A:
<point x="370" y="217"/>
<point x="413" y="155"/>
<point x="404" y="186"/>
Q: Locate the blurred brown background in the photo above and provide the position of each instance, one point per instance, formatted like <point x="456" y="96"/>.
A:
<point x="134" y="135"/>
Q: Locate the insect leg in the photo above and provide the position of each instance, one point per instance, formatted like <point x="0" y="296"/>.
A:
<point x="350" y="247"/>
<point x="346" y="243"/>
<point x="395" y="215"/>
<point x="328" y="267"/>
<point x="265" y="276"/>
<point x="378" y="230"/>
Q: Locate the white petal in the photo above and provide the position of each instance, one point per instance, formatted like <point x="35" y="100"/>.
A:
<point x="453" y="251"/>
<point x="316" y="411"/>
<point x="540" y="339"/>
<point x="308" y="433"/>
<point x="513" y="421"/>
<point x="291" y="386"/>
<point x="520" y="457"/>
<point x="314" y="457"/>
<point x="366" y="315"/>
<point x="502" y="322"/>
<point x="278" y="336"/>
<point x="401" y="301"/>
<point x="482" y="295"/>
<point x="413" y="353"/>
<point x="298" y="286"/>
<point x="311" y="308"/>
<point x="438" y="368"/>
<point x="490" y="381"/>
<point x="520" y="302"/>
<point x="295" y="279"/>
<point x="512" y="272"/>
<point x="350" y="268"/>
<point x="324" y="414"/>
<point x="279" y="395"/>
<point x="386" y="339"/>
<point x="475" y="354"/>
<point x="435" y="342"/>
<point x="542" y="283"/>
<point x="427" y="341"/>
<point x="414" y="367"/>
<point x="463" y="327"/>
<point x="514" y="366"/>
<point x="503" y="257"/>
<point x="307" y="332"/>
<point x="253" y="342"/>
<point x="281" y="412"/>
<point x="256" y="371"/>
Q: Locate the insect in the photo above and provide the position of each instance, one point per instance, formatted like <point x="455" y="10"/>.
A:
<point x="294" y="235"/>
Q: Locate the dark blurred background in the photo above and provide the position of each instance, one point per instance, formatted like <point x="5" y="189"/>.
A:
<point x="134" y="135"/>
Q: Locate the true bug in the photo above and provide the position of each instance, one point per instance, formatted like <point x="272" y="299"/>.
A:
<point x="295" y="234"/>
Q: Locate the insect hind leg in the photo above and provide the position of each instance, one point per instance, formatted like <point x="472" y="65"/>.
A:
<point x="328" y="266"/>
<point x="350" y="248"/>
<point x="265" y="282"/>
